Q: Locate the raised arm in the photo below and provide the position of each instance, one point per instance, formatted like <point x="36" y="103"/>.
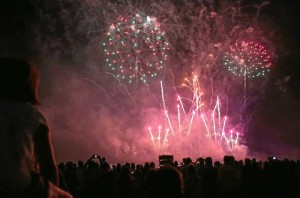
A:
<point x="45" y="154"/>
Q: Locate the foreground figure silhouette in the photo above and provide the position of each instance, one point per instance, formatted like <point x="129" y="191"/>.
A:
<point x="28" y="167"/>
<point x="165" y="182"/>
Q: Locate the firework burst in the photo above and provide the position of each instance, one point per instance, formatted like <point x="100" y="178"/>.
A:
<point x="135" y="48"/>
<point x="248" y="59"/>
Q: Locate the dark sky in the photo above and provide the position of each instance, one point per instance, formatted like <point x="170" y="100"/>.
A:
<point x="279" y="115"/>
<point x="274" y="129"/>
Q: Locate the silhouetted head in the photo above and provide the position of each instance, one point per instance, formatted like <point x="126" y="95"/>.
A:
<point x="146" y="166"/>
<point x="132" y="166"/>
<point x="188" y="160"/>
<point x="165" y="182"/>
<point x="191" y="169"/>
<point x="139" y="167"/>
<point x="200" y="161"/>
<point x="61" y="166"/>
<point x="19" y="80"/>
<point x="208" y="161"/>
<point x="152" y="165"/>
<point x="226" y="159"/>
<point x="69" y="165"/>
<point x="125" y="172"/>
<point x="247" y="162"/>
<point x="127" y="164"/>
<point x="217" y="164"/>
<point x="80" y="164"/>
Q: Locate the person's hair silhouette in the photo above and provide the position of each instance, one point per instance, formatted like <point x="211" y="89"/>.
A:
<point x="19" y="81"/>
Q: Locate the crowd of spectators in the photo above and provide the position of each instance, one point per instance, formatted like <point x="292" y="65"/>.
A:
<point x="201" y="178"/>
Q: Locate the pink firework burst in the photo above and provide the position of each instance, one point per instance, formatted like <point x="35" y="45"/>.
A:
<point x="248" y="59"/>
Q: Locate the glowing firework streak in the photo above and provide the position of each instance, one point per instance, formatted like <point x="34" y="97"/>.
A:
<point x="158" y="144"/>
<point x="159" y="130"/>
<point x="165" y="139"/>
<point x="189" y="130"/>
<point x="178" y="116"/>
<point x="217" y="107"/>
<point x="152" y="138"/>
<point x="204" y="121"/>
<point x="237" y="138"/>
<point x="169" y="122"/>
<point x="220" y="131"/>
<point x="162" y="96"/>
<point x="223" y="132"/>
<point x="219" y="112"/>
<point x="180" y="101"/>
<point x="213" y="122"/>
<point x="197" y="93"/>
<point x="231" y="138"/>
<point x="233" y="141"/>
<point x="165" y="109"/>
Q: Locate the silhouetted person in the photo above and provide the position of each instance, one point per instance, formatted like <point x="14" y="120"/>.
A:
<point x="124" y="186"/>
<point x="229" y="179"/>
<point x="165" y="182"/>
<point x="138" y="182"/>
<point x="108" y="184"/>
<point x="210" y="177"/>
<point x="250" y="179"/>
<point x="92" y="178"/>
<point x="61" y="171"/>
<point x="217" y="164"/>
<point x="186" y="162"/>
<point x="193" y="184"/>
<point x="104" y="164"/>
<point x="147" y="172"/>
<point x="80" y="188"/>
<point x="200" y="164"/>
<point x="152" y="165"/>
<point x="28" y="166"/>
<point x="71" y="178"/>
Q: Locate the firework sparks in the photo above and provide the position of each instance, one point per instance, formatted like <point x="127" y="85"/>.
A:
<point x="249" y="59"/>
<point x="158" y="143"/>
<point x="136" y="48"/>
<point x="210" y="121"/>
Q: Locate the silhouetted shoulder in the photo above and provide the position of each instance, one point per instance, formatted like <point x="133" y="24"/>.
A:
<point x="22" y="113"/>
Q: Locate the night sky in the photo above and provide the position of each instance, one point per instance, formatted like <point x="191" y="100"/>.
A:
<point x="90" y="112"/>
<point x="278" y="115"/>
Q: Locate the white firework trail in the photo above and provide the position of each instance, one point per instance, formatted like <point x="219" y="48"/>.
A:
<point x="213" y="122"/>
